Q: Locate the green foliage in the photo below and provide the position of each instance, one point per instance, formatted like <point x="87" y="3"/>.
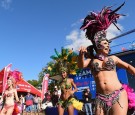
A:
<point x="40" y="77"/>
<point x="35" y="83"/>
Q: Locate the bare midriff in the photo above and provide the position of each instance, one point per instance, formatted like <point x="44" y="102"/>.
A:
<point x="9" y="99"/>
<point x="107" y="82"/>
<point x="66" y="93"/>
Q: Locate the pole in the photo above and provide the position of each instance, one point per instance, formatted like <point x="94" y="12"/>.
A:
<point x="126" y="33"/>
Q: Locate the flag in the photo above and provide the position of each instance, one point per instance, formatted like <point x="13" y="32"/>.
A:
<point x="6" y="72"/>
<point x="44" y="85"/>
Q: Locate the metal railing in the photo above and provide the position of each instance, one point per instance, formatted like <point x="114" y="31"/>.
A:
<point x="128" y="46"/>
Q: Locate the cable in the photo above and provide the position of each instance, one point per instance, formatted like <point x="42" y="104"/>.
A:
<point x="126" y="33"/>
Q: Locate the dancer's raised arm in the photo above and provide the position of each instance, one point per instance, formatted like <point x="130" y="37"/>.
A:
<point x="125" y="65"/>
<point x="82" y="62"/>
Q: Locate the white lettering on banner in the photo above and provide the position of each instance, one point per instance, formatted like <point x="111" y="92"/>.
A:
<point x="20" y="84"/>
<point x="80" y="89"/>
<point x="82" y="77"/>
<point x="84" y="72"/>
<point x="93" y="84"/>
<point x="46" y="78"/>
<point x="44" y="85"/>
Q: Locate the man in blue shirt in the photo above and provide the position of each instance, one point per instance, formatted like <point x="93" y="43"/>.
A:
<point x="29" y="103"/>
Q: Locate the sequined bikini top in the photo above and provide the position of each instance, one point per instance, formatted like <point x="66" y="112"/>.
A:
<point x="108" y="65"/>
<point x="9" y="94"/>
<point x="65" y="85"/>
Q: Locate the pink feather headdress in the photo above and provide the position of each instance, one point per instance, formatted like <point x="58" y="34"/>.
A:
<point x="15" y="76"/>
<point x="99" y="22"/>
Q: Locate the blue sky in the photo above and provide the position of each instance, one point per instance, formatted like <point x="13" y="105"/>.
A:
<point x="31" y="29"/>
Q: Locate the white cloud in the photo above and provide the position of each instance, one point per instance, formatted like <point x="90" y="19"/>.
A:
<point x="6" y="4"/>
<point x="76" y="23"/>
<point x="112" y="31"/>
<point x="77" y="38"/>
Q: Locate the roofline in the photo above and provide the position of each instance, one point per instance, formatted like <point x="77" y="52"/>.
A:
<point x="32" y="85"/>
<point x="124" y="53"/>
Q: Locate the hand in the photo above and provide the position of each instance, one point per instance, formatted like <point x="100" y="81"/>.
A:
<point x="82" y="50"/>
<point x="72" y="92"/>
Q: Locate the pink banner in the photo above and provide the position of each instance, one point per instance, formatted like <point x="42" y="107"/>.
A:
<point x="6" y="72"/>
<point x="44" y="85"/>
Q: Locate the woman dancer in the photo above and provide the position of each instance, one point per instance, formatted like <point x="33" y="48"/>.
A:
<point x="111" y="98"/>
<point x="66" y="98"/>
<point x="10" y="94"/>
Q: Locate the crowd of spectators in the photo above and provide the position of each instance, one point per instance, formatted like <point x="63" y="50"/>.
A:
<point x="30" y="103"/>
<point x="51" y="100"/>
